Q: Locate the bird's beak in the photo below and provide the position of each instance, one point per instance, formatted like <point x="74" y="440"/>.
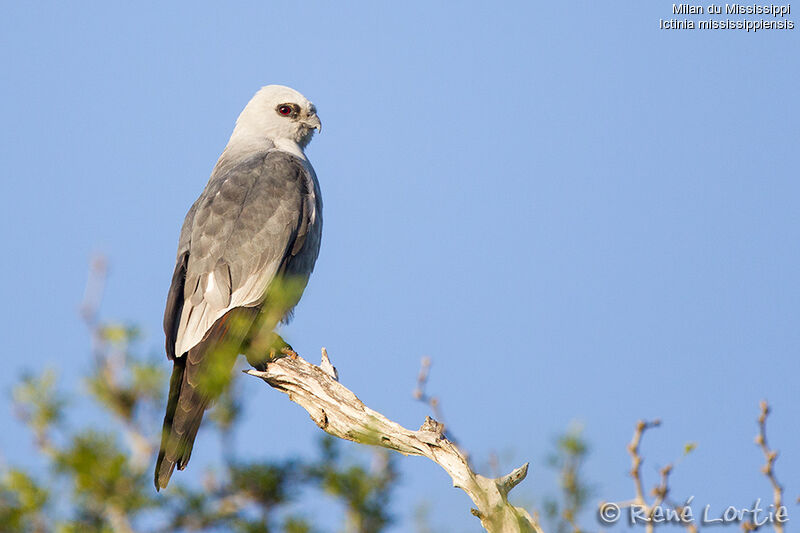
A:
<point x="313" y="122"/>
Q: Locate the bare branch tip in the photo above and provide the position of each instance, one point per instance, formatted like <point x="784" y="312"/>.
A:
<point x="433" y="426"/>
<point x="509" y="481"/>
<point x="327" y="367"/>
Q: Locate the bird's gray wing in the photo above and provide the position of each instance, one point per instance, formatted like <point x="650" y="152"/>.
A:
<point x="255" y="218"/>
<point x="174" y="306"/>
<point x="246" y="226"/>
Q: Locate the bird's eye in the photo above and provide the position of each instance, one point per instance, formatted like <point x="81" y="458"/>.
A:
<point x="285" y="110"/>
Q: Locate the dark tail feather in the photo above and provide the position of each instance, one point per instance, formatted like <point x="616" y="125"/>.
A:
<point x="185" y="410"/>
<point x="165" y="465"/>
<point x="198" y="377"/>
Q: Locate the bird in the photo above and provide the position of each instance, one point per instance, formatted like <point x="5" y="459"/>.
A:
<point x="246" y="250"/>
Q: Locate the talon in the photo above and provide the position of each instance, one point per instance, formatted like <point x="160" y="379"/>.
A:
<point x="288" y="351"/>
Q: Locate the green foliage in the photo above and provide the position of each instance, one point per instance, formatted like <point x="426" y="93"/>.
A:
<point x="296" y="525"/>
<point x="103" y="475"/>
<point x="689" y="447"/>
<point x="267" y="484"/>
<point x="22" y="502"/>
<point x="226" y="411"/>
<point x="39" y="403"/>
<point x="571" y="452"/>
<point x="365" y="493"/>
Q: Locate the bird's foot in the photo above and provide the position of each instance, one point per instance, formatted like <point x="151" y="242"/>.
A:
<point x="275" y="348"/>
<point x="287" y="350"/>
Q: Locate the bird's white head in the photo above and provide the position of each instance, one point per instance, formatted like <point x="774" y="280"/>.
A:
<point x="280" y="115"/>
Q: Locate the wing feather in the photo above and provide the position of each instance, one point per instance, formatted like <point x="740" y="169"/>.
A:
<point x="252" y="218"/>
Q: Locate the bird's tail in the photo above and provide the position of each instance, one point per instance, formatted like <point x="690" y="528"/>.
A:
<point x="173" y="448"/>
<point x="198" y="377"/>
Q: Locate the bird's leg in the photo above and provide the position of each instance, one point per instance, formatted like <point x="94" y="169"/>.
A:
<point x="266" y="348"/>
<point x="282" y="347"/>
<point x="288" y="350"/>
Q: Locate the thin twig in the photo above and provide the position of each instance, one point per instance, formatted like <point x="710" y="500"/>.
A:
<point x="421" y="394"/>
<point x="768" y="469"/>
<point x="636" y="458"/>
<point x="660" y="492"/>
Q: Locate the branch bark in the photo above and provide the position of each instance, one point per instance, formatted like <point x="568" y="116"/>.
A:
<point x="339" y="412"/>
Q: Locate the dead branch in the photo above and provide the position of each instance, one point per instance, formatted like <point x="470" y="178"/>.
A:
<point x="337" y="411"/>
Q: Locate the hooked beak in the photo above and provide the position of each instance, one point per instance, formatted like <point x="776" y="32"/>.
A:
<point x="313" y="122"/>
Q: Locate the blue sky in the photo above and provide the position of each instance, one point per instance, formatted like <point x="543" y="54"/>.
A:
<point x="578" y="216"/>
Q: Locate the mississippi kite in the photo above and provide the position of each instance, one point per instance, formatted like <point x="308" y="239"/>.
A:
<point x="254" y="231"/>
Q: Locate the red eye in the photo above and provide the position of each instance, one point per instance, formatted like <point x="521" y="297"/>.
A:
<point x="285" y="110"/>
